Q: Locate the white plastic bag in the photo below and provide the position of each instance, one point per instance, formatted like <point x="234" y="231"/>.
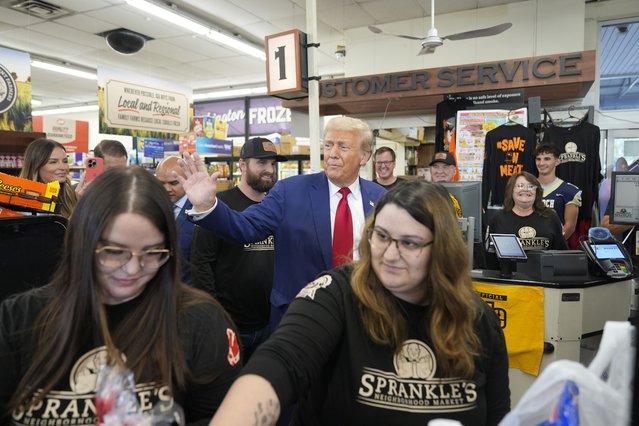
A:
<point x="605" y="387"/>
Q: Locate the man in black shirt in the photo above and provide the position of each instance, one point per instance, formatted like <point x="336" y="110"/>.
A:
<point x="384" y="160"/>
<point x="241" y="276"/>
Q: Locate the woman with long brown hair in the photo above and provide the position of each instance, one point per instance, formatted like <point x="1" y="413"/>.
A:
<point x="115" y="299"/>
<point x="45" y="161"/>
<point x="400" y="337"/>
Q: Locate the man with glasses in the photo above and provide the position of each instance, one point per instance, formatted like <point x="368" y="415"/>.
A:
<point x="384" y="160"/>
<point x="316" y="219"/>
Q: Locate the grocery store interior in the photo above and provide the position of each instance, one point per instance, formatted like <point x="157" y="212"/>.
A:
<point x="539" y="63"/>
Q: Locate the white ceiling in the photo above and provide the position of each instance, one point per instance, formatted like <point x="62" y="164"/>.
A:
<point x="175" y="54"/>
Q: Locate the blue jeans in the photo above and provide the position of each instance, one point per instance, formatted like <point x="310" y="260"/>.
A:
<point x="251" y="340"/>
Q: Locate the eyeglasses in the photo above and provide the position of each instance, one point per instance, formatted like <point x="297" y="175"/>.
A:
<point x="384" y="163"/>
<point x="528" y="186"/>
<point x="380" y="240"/>
<point x="116" y="257"/>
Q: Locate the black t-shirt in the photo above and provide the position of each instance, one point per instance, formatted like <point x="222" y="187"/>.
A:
<point x="580" y="163"/>
<point x="535" y="231"/>
<point x="321" y="351"/>
<point x="387" y="187"/>
<point x="240" y="276"/>
<point x="205" y="334"/>
<point x="508" y="150"/>
<point x="446" y="110"/>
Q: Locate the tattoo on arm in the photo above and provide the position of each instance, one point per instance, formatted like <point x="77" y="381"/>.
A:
<point x="266" y="414"/>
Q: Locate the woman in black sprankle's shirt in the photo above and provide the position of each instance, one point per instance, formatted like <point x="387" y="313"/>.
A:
<point x="400" y="338"/>
<point x="525" y="215"/>
<point x="116" y="299"/>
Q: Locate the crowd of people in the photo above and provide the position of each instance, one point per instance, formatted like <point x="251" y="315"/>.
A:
<point x="319" y="299"/>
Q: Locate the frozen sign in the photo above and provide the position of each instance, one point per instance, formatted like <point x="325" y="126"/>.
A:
<point x="133" y="106"/>
<point x="265" y="115"/>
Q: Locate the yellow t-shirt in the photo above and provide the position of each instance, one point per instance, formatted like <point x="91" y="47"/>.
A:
<point x="458" y="210"/>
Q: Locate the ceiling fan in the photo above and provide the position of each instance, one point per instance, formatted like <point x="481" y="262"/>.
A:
<point x="432" y="40"/>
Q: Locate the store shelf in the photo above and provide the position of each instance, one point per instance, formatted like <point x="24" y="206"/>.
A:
<point x="14" y="143"/>
<point x="300" y="159"/>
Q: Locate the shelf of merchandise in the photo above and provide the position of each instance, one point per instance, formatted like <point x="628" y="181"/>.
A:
<point x="14" y="143"/>
<point x="297" y="169"/>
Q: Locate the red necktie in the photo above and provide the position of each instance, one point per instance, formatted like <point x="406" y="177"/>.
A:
<point x="343" y="232"/>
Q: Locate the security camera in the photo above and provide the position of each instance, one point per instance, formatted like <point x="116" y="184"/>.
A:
<point x="340" y="52"/>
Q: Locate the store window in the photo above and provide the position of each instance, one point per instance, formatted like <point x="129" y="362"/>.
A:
<point x="619" y="66"/>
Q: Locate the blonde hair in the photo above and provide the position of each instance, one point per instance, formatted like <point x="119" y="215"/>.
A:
<point x="354" y="125"/>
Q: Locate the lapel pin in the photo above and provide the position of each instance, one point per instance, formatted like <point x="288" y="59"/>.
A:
<point x="371" y="204"/>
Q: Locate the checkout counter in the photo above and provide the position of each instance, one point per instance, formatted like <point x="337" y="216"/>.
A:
<point x="574" y="306"/>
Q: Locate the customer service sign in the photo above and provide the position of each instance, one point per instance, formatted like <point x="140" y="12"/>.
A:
<point x="158" y="106"/>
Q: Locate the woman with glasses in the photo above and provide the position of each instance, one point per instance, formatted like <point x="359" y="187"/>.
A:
<point x="116" y="298"/>
<point x="45" y="161"/>
<point x="398" y="338"/>
<point x="525" y="215"/>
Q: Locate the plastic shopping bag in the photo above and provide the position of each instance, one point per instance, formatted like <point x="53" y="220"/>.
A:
<point x="116" y="403"/>
<point x="602" y="393"/>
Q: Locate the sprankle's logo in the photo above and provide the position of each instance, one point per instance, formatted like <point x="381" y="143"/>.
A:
<point x="413" y="387"/>
<point x="312" y="287"/>
<point x="8" y="90"/>
<point x="529" y="239"/>
<point x="571" y="154"/>
<point x="416" y="361"/>
<point x="527" y="232"/>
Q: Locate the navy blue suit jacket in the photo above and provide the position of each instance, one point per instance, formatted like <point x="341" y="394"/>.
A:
<point x="297" y="213"/>
<point x="185" y="236"/>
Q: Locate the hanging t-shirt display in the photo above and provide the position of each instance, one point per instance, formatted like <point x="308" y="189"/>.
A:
<point x="508" y="149"/>
<point x="445" y="117"/>
<point x="580" y="164"/>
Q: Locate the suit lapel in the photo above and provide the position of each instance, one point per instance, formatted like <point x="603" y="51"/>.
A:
<point x="320" y="204"/>
<point x="367" y="198"/>
<point x="181" y="219"/>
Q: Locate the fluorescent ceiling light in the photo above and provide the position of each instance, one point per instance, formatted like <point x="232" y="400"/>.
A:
<point x="232" y="93"/>
<point x="35" y="102"/>
<point x="192" y="25"/>
<point x="63" y="70"/>
<point x="169" y="16"/>
<point x="66" y="110"/>
<point x="236" y="44"/>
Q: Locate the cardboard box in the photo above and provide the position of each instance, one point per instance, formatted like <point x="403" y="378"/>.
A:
<point x="286" y="148"/>
<point x="300" y="150"/>
<point x="27" y="193"/>
<point x="222" y="185"/>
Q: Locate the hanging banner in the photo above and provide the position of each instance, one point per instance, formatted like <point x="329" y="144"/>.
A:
<point x="73" y="134"/>
<point x="471" y="128"/>
<point x="266" y="115"/>
<point x="213" y="146"/>
<point x="210" y="135"/>
<point x="15" y="91"/>
<point x="142" y="106"/>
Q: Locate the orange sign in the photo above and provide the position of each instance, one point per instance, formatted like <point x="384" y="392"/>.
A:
<point x="73" y="134"/>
